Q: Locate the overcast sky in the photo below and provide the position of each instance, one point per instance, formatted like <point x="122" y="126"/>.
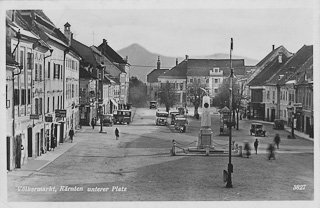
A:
<point x="182" y="27"/>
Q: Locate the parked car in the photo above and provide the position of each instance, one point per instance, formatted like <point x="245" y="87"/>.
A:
<point x="162" y="114"/>
<point x="161" y="121"/>
<point x="257" y="129"/>
<point x="173" y="116"/>
<point x="153" y="104"/>
<point x="278" y="124"/>
<point x="122" y="116"/>
<point x="108" y="120"/>
<point x="181" y="124"/>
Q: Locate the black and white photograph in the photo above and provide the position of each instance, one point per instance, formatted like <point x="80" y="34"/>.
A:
<point x="121" y="103"/>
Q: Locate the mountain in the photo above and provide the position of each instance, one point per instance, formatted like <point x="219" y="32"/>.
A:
<point x="143" y="61"/>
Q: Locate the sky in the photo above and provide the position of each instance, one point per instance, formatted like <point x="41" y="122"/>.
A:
<point x="185" y="27"/>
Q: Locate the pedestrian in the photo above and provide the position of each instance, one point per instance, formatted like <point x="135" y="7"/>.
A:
<point x="53" y="142"/>
<point x="247" y="149"/>
<point x="71" y="133"/>
<point x="277" y="140"/>
<point x="256" y="143"/>
<point x="92" y="123"/>
<point x="270" y="149"/>
<point x="116" y="133"/>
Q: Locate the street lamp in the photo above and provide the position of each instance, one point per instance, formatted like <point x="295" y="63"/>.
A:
<point x="230" y="166"/>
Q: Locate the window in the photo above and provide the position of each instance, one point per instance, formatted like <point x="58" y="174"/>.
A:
<point x="268" y="94"/>
<point x="58" y="103"/>
<point x="207" y="80"/>
<point x="48" y="105"/>
<point x="191" y="80"/>
<point x="23" y="96"/>
<point x="36" y="106"/>
<point x="216" y="80"/>
<point x="181" y="86"/>
<point x="29" y="60"/>
<point x="56" y="69"/>
<point x="22" y="57"/>
<point x="29" y="96"/>
<point x="198" y="80"/>
<point x="285" y="113"/>
<point x="53" y="104"/>
<point x="61" y="102"/>
<point x="216" y="70"/>
<point x="40" y="72"/>
<point x="60" y="71"/>
<point x="215" y="90"/>
<point x="273" y="94"/>
<point x="49" y="69"/>
<point x="16" y="100"/>
<point x="36" y="72"/>
<point x="40" y="106"/>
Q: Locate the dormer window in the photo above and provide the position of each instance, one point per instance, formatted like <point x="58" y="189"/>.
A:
<point x="216" y="70"/>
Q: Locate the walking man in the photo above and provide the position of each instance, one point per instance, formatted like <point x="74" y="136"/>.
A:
<point x="116" y="133"/>
<point x="277" y="140"/>
<point x="71" y="133"/>
<point x="53" y="142"/>
<point x="255" y="144"/>
<point x="92" y="123"/>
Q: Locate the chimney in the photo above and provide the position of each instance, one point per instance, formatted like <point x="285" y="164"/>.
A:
<point x="272" y="47"/>
<point x="176" y="61"/>
<point x="158" y="63"/>
<point x="187" y="57"/>
<point x="126" y="59"/>
<point x="105" y="43"/>
<point x="280" y="58"/>
<point x="67" y="32"/>
<point x="71" y="36"/>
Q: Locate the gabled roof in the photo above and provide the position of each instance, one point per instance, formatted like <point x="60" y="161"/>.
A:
<point x="268" y="71"/>
<point x="85" y="52"/>
<point x="305" y="70"/>
<point x="178" y="71"/>
<point x="110" y="53"/>
<point x="83" y="73"/>
<point x="291" y="66"/>
<point x="202" y="67"/>
<point x="152" y="77"/>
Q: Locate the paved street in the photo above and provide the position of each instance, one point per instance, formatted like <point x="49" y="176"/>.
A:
<point x="138" y="167"/>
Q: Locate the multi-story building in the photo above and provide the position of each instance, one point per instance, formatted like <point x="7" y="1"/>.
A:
<point x="263" y="99"/>
<point x="208" y="72"/>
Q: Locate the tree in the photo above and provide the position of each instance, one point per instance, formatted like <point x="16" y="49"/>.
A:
<point x="167" y="95"/>
<point x="195" y="94"/>
<point x="223" y="97"/>
<point x="137" y="92"/>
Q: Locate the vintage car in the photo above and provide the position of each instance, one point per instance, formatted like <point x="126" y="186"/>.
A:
<point x="107" y="119"/>
<point x="162" y="114"/>
<point x="173" y="116"/>
<point x="122" y="116"/>
<point x="181" y="124"/>
<point x="153" y="104"/>
<point x="161" y="121"/>
<point x="257" y="129"/>
<point x="278" y="124"/>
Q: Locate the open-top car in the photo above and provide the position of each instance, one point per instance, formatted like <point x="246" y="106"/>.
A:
<point x="278" y="124"/>
<point x="161" y="121"/>
<point x="162" y="114"/>
<point x="181" y="124"/>
<point x="257" y="129"/>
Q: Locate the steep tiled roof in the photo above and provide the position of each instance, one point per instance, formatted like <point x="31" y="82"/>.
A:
<point x="202" y="67"/>
<point x="178" y="71"/>
<point x="110" y="53"/>
<point x="83" y="73"/>
<point x="291" y="66"/>
<point x="305" y="70"/>
<point x="268" y="71"/>
<point x="152" y="77"/>
<point x="85" y="52"/>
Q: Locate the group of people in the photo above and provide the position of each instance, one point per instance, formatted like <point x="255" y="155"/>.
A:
<point x="270" y="149"/>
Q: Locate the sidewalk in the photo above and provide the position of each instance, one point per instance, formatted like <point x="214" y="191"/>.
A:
<point x="288" y="129"/>
<point x="36" y="164"/>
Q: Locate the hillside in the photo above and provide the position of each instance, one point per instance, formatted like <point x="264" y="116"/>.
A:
<point x="143" y="61"/>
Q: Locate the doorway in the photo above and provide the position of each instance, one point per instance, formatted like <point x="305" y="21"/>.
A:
<point x="30" y="142"/>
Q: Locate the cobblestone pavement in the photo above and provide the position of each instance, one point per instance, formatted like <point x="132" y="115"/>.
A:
<point x="138" y="167"/>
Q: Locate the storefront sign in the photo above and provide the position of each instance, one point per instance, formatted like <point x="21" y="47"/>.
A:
<point x="34" y="116"/>
<point x="48" y="118"/>
<point x="61" y="113"/>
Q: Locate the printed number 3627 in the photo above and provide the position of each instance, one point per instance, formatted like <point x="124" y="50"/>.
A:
<point x="299" y="187"/>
